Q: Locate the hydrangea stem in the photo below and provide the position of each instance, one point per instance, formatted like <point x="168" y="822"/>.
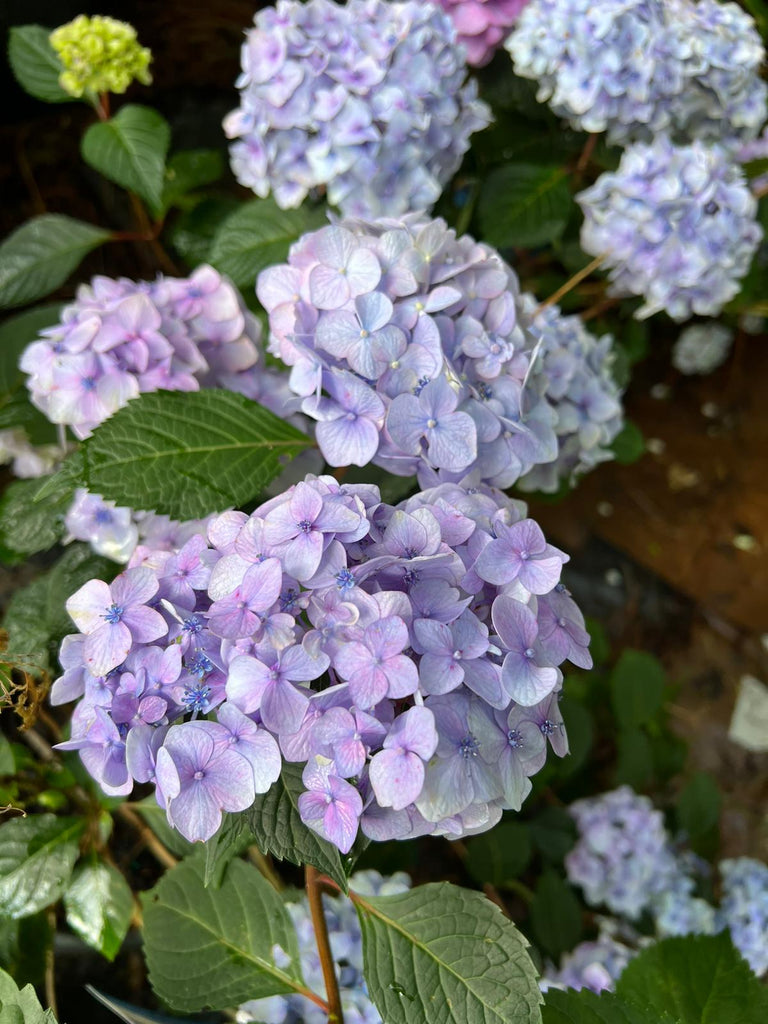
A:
<point x="571" y="283"/>
<point x="314" y="883"/>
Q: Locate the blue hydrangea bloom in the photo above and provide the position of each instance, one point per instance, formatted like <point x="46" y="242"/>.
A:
<point x="701" y="348"/>
<point x="347" y="947"/>
<point x="581" y="387"/>
<point x="408" y="657"/>
<point x="634" y="68"/>
<point x="675" y="224"/>
<point x="744" y="909"/>
<point x="595" y="965"/>
<point x="367" y="98"/>
<point x="411" y="348"/>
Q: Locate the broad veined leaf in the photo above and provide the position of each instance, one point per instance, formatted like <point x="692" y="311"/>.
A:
<point x="187" y="170"/>
<point x="440" y="953"/>
<point x="37" y="855"/>
<point x="585" y="1007"/>
<point x="26" y="527"/>
<point x="41" y="254"/>
<point x="524" y="205"/>
<point x="214" y="948"/>
<point x="35" y="63"/>
<point x="555" y="915"/>
<point x="637" y="688"/>
<point x="258" y="235"/>
<point x="185" y="454"/>
<point x="130" y="150"/>
<point x="99" y="906"/>
<point x="21" y="1006"/>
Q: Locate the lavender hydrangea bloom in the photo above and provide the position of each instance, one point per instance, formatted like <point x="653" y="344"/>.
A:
<point x="594" y="965"/>
<point x="635" y="68"/>
<point x="367" y="98"/>
<point x="584" y="394"/>
<point x="120" y="338"/>
<point x="418" y="356"/>
<point x="676" y="225"/>
<point x="744" y="909"/>
<point x="701" y="348"/>
<point x="347" y="948"/>
<point x="623" y="858"/>
<point x="378" y="646"/>
<point x="109" y="530"/>
<point x="28" y="460"/>
<point x="482" y="25"/>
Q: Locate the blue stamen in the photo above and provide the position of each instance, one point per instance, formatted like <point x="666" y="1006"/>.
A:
<point x="114" y="614"/>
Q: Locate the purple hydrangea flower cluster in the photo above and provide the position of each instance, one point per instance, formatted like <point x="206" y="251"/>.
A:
<point x="577" y="367"/>
<point x="634" y="68"/>
<point x="701" y="348"/>
<point x="623" y="858"/>
<point x="27" y="460"/>
<point x="407" y="655"/>
<point x="744" y="909"/>
<point x="410" y="348"/>
<point x="346" y="942"/>
<point x="595" y="965"/>
<point x="120" y="338"/>
<point x="676" y="225"/>
<point x="757" y="149"/>
<point x="367" y="98"/>
<point x="482" y="25"/>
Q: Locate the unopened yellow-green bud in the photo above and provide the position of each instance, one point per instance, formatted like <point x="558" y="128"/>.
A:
<point x="99" y="55"/>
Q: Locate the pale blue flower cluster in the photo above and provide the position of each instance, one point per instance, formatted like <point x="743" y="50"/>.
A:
<point x="744" y="909"/>
<point x="701" y="348"/>
<point x="367" y="98"/>
<point x="581" y="387"/>
<point x="637" y="67"/>
<point x="596" y="965"/>
<point x="347" y="947"/>
<point x="410" y="348"/>
<point x="675" y="224"/>
<point x="407" y="656"/>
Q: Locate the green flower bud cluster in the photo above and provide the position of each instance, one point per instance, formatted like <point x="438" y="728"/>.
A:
<point x="99" y="55"/>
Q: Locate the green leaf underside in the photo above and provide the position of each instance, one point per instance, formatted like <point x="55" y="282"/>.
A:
<point x="99" y="906"/>
<point x="210" y="949"/>
<point x="524" y="205"/>
<point x="26" y="527"/>
<point x="585" y="1007"/>
<point x="277" y="828"/>
<point x="440" y="954"/>
<point x="35" y="64"/>
<point x="185" y="454"/>
<point x="258" y="235"/>
<point x="130" y="150"/>
<point x="37" y="855"/>
<point x="41" y="254"/>
<point x="21" y="1006"/>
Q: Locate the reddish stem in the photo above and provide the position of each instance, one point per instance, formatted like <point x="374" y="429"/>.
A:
<point x="314" y="882"/>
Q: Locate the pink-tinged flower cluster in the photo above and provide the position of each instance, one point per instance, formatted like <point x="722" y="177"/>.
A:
<point x="120" y="338"/>
<point x="407" y="656"/>
<point x="482" y="25"/>
<point x="411" y="349"/>
<point x="367" y="98"/>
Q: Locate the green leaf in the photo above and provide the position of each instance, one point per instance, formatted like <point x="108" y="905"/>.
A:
<point x="501" y="854"/>
<point x="213" y="948"/>
<point x="183" y="454"/>
<point x="41" y="254"/>
<point x="629" y="444"/>
<point x="698" y="807"/>
<point x="555" y="915"/>
<point x="440" y="953"/>
<point x="193" y="233"/>
<point x="37" y="855"/>
<point x="258" y="235"/>
<point x="35" y="64"/>
<point x="277" y="828"/>
<point x="99" y="906"/>
<point x="21" y="1006"/>
<point x="524" y="205"/>
<point x="16" y="333"/>
<point x="637" y="688"/>
<point x="553" y="831"/>
<point x="187" y="170"/>
<point x="156" y="818"/>
<point x="696" y="980"/>
<point x="585" y="1007"/>
<point x="26" y="527"/>
<point x="634" y="765"/>
<point x="130" y="150"/>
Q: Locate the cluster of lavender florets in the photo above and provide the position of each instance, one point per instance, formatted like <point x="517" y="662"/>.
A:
<point x="597" y="964"/>
<point x="638" y="67"/>
<point x="581" y="387"/>
<point x="347" y="948"/>
<point x="482" y="25"/>
<point x="701" y="348"/>
<point x="121" y="338"/>
<point x="367" y="98"/>
<point x="436" y="628"/>
<point x="27" y="460"/>
<point x="675" y="224"/>
<point x="410" y="348"/>
<point x="744" y="909"/>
